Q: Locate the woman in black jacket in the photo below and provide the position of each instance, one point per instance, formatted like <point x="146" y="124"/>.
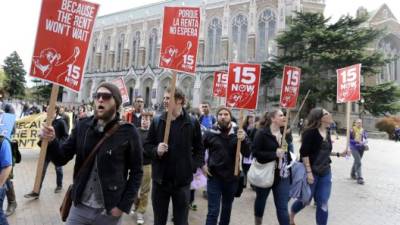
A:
<point x="266" y="148"/>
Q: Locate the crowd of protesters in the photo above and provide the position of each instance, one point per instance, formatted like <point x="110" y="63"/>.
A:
<point x="133" y="166"/>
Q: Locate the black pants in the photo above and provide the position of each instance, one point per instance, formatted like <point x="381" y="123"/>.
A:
<point x="160" y="197"/>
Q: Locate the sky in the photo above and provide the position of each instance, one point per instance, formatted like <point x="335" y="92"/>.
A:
<point x="19" y="19"/>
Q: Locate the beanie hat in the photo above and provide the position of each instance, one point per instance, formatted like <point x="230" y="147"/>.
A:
<point x="224" y="108"/>
<point x="114" y="92"/>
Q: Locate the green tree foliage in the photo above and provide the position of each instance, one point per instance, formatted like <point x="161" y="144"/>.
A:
<point x="382" y="99"/>
<point x="15" y="75"/>
<point x="319" y="48"/>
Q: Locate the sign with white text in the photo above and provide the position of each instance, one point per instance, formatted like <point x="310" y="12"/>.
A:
<point x="120" y="83"/>
<point x="348" y="84"/>
<point x="220" y="83"/>
<point x="180" y="39"/>
<point x="243" y="85"/>
<point x="62" y="40"/>
<point x="290" y="87"/>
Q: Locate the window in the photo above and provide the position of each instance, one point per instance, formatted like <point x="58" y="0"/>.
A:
<point x="106" y="52"/>
<point x="120" y="52"/>
<point x="239" y="38"/>
<point x="135" y="48"/>
<point x="390" y="48"/>
<point x="152" y="47"/>
<point x="265" y="35"/>
<point x="214" y="42"/>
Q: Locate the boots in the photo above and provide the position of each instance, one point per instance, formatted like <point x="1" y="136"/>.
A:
<point x="12" y="201"/>
<point x="258" y="220"/>
<point x="11" y="208"/>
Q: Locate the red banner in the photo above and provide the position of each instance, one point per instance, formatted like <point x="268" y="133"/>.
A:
<point x="290" y="87"/>
<point x="180" y="39"/>
<point x="243" y="85"/>
<point x="220" y="83"/>
<point x="348" y="84"/>
<point x="120" y="83"/>
<point x="62" y="39"/>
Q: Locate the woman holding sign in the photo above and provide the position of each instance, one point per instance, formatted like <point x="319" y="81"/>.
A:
<point x="315" y="152"/>
<point x="266" y="149"/>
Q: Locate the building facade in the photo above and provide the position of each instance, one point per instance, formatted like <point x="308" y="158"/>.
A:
<point x="127" y="44"/>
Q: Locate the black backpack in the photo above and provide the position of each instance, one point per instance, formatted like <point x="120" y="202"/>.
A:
<point x="16" y="154"/>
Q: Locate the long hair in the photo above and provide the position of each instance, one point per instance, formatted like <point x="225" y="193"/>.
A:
<point x="266" y="119"/>
<point x="313" y="119"/>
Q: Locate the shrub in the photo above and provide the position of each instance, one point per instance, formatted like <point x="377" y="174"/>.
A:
<point x="388" y="124"/>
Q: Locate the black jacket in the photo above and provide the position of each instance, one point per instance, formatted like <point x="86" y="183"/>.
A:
<point x="189" y="154"/>
<point x="264" y="148"/>
<point x="61" y="130"/>
<point x="143" y="135"/>
<point x="119" y="161"/>
<point x="222" y="152"/>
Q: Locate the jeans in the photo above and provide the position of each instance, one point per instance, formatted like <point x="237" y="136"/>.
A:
<point x="3" y="219"/>
<point x="320" y="190"/>
<point x="356" y="169"/>
<point x="160" y="197"/>
<point x="280" y="190"/>
<point x="219" y="190"/>
<point x="59" y="173"/>
<point x="85" y="215"/>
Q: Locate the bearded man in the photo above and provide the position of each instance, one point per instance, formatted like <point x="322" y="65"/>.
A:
<point x="108" y="185"/>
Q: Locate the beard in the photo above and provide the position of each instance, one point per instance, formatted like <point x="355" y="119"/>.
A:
<point x="224" y="126"/>
<point x="106" y="115"/>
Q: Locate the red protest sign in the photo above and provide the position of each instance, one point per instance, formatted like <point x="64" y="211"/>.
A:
<point x="290" y="86"/>
<point x="180" y="38"/>
<point x="220" y="83"/>
<point x="120" y="83"/>
<point x="62" y="40"/>
<point x="348" y="84"/>
<point x="243" y="85"/>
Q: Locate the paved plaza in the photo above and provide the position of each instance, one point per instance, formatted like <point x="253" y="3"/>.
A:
<point x="375" y="203"/>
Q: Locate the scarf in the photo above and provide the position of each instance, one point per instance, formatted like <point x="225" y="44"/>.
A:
<point x="358" y="133"/>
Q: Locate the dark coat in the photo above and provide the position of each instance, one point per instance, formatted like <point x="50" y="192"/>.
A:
<point x="189" y="154"/>
<point x="222" y="152"/>
<point x="264" y="148"/>
<point x="119" y="161"/>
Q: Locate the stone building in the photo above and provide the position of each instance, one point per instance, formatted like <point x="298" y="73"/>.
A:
<point x="127" y="44"/>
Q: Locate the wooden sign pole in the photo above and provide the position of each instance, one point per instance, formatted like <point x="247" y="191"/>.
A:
<point x="301" y="107"/>
<point x="171" y="103"/>
<point x="43" y="149"/>
<point x="239" y="145"/>
<point x="348" y="108"/>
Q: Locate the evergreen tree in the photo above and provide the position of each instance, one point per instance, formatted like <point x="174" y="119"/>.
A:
<point x="319" y="48"/>
<point x="15" y="75"/>
<point x="382" y="99"/>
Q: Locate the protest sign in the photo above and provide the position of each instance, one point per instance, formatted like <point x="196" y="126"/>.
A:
<point x="290" y="87"/>
<point x="27" y="131"/>
<point x="62" y="39"/>
<point x="348" y="84"/>
<point x="7" y="122"/>
<point x="120" y="83"/>
<point x="180" y="39"/>
<point x="243" y="85"/>
<point x="220" y="83"/>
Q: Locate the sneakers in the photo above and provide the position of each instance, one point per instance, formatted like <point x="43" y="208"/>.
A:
<point x="32" y="195"/>
<point x="352" y="176"/>
<point x="360" y="181"/>
<point x="139" y="218"/>
<point x="58" y="189"/>
<point x="11" y="208"/>
<point x="205" y="196"/>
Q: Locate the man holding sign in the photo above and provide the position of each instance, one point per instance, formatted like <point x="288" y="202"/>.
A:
<point x="175" y="162"/>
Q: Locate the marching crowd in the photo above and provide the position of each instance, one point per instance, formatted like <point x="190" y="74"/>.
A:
<point x="121" y="160"/>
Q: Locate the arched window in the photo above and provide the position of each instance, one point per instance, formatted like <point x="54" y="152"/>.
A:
<point x="91" y="65"/>
<point x="214" y="42"/>
<point x="265" y="35"/>
<point x="106" y="52"/>
<point x="135" y="48"/>
<point x="120" y="52"/>
<point x="152" y="47"/>
<point x="390" y="47"/>
<point x="239" y="38"/>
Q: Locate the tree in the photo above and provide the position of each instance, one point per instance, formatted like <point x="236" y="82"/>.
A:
<point x="15" y="75"/>
<point x="319" y="48"/>
<point x="382" y="99"/>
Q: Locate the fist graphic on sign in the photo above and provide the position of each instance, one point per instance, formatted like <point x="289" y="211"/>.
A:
<point x="49" y="61"/>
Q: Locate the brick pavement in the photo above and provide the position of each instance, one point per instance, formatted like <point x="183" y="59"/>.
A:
<point x="375" y="203"/>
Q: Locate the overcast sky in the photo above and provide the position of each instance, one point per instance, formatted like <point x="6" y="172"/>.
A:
<point x="19" y="18"/>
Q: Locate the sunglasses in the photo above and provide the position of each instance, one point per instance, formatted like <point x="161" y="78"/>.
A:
<point x="104" y="96"/>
